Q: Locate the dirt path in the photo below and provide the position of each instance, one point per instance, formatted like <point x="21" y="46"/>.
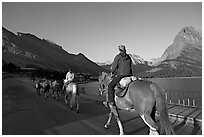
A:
<point x="24" y="112"/>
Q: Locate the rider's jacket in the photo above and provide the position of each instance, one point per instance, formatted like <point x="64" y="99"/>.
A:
<point x="122" y="64"/>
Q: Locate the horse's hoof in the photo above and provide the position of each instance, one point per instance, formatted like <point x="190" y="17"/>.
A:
<point x="106" y="126"/>
<point x="77" y="111"/>
<point x="71" y="108"/>
<point x="122" y="133"/>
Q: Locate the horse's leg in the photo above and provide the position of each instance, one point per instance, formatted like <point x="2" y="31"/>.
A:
<point x="70" y="101"/>
<point x="150" y="123"/>
<point x="153" y="113"/>
<point x="65" y="98"/>
<point x="45" y="91"/>
<point x="53" y="94"/>
<point x="115" y="112"/>
<point x="48" y="91"/>
<point x="77" y="103"/>
<point x="45" y="94"/>
<point x="109" y="120"/>
<point x="58" y="96"/>
<point x="37" y="91"/>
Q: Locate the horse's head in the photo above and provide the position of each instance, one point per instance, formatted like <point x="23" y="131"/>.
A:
<point x="104" y="80"/>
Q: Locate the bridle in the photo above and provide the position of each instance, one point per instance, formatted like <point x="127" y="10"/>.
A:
<point x="103" y="88"/>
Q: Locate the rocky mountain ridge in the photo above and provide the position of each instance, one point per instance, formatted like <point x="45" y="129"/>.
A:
<point x="27" y="50"/>
<point x="182" y="58"/>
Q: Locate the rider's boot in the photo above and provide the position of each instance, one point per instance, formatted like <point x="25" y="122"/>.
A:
<point x="111" y="104"/>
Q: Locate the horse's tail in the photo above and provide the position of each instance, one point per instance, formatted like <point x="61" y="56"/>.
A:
<point x="74" y="94"/>
<point x="162" y="110"/>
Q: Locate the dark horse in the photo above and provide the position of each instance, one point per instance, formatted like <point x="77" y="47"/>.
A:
<point x="56" y="87"/>
<point x="72" y="93"/>
<point x="143" y="97"/>
<point x="38" y="87"/>
<point x="46" y="88"/>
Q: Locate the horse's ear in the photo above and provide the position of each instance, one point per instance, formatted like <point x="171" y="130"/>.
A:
<point x="103" y="75"/>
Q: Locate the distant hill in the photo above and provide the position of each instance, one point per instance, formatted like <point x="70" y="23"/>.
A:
<point x="27" y="50"/>
<point x="182" y="58"/>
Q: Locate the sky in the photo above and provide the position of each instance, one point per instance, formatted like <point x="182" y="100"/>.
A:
<point x="97" y="28"/>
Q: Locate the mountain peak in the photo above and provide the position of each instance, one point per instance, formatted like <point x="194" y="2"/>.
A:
<point x="190" y="35"/>
<point x="81" y="55"/>
<point x="27" y="35"/>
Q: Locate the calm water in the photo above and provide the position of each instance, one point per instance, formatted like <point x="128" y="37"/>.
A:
<point x="182" y="90"/>
<point x="176" y="88"/>
<point x="185" y="84"/>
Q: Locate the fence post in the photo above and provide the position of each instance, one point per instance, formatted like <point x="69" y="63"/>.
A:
<point x="166" y="95"/>
<point x="179" y="102"/>
<point x="188" y="102"/>
<point x="194" y="104"/>
<point x="183" y="102"/>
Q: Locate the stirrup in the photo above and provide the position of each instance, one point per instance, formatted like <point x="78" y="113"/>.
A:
<point x="111" y="104"/>
<point x="105" y="103"/>
<point x="108" y="103"/>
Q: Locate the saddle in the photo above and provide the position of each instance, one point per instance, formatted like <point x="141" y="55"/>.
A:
<point x="122" y="87"/>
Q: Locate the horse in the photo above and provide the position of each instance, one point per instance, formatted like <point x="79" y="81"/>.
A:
<point x="38" y="87"/>
<point x="56" y="89"/>
<point x="143" y="97"/>
<point x="46" y="88"/>
<point x="71" y="92"/>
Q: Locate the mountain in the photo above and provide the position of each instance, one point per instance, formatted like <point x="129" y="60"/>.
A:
<point x="182" y="58"/>
<point x="135" y="60"/>
<point x="109" y="62"/>
<point x="187" y="45"/>
<point x="27" y="50"/>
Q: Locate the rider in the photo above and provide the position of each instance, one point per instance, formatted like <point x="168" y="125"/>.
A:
<point x="69" y="77"/>
<point x="121" y="67"/>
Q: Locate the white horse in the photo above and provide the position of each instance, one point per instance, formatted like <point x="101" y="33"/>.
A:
<point x="72" y="93"/>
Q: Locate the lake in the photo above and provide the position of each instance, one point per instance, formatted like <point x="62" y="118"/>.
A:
<point x="182" y="90"/>
<point x="186" y="84"/>
<point x="176" y="88"/>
